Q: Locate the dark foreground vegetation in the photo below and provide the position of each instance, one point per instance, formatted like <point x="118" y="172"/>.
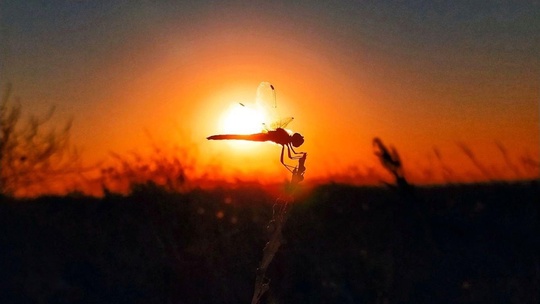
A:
<point x="343" y="244"/>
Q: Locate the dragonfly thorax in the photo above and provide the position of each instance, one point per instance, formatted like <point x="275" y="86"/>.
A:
<point x="282" y="137"/>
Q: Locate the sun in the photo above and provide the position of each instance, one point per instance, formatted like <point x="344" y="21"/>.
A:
<point x="239" y="119"/>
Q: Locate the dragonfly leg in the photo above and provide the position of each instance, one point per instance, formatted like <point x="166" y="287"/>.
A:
<point x="281" y="157"/>
<point x="297" y="153"/>
<point x="288" y="167"/>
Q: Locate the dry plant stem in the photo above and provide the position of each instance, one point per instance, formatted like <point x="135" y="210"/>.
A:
<point x="262" y="283"/>
<point x="269" y="251"/>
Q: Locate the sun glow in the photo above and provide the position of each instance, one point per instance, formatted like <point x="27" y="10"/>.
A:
<point x="239" y="119"/>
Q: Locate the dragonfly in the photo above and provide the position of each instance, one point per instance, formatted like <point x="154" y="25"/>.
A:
<point x="273" y="132"/>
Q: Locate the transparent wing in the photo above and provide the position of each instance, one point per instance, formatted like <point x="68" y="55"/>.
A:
<point x="266" y="102"/>
<point x="280" y="123"/>
<point x="266" y="95"/>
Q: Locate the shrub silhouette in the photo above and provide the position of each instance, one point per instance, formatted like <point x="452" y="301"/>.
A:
<point x="161" y="168"/>
<point x="33" y="156"/>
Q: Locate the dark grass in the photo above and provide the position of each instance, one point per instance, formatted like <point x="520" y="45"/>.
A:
<point x="342" y="244"/>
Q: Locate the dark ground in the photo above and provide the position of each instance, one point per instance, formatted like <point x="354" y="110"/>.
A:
<point x="343" y="244"/>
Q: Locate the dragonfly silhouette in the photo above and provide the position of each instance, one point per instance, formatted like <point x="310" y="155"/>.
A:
<point x="275" y="132"/>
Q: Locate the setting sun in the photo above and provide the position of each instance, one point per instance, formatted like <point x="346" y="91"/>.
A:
<point x="239" y="119"/>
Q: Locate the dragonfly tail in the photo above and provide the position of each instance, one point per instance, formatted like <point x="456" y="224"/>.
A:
<point x="250" y="137"/>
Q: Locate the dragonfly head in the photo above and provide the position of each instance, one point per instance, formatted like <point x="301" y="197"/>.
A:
<point x="297" y="140"/>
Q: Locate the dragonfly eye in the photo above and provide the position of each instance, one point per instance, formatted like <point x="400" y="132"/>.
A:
<point x="297" y="140"/>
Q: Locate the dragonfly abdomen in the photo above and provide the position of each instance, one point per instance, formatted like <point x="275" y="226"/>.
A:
<point x="250" y="137"/>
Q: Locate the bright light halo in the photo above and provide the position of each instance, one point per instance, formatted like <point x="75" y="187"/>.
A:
<point x="239" y="119"/>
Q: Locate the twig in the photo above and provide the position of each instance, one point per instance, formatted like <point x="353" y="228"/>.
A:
<point x="275" y="226"/>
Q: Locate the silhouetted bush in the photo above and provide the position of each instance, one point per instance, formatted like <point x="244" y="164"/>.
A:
<point x="161" y="168"/>
<point x="34" y="157"/>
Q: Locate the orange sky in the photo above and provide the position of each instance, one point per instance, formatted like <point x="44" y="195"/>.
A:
<point x="417" y="77"/>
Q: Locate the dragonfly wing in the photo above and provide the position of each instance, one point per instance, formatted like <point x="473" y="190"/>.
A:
<point x="266" y="95"/>
<point x="266" y="103"/>
<point x="281" y="123"/>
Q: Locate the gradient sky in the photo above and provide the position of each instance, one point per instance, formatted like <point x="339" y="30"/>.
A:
<point x="421" y="75"/>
